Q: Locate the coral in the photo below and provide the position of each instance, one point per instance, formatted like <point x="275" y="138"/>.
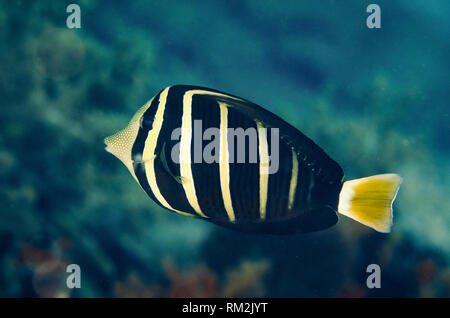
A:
<point x="133" y="287"/>
<point x="48" y="272"/>
<point x="246" y="279"/>
<point x="198" y="282"/>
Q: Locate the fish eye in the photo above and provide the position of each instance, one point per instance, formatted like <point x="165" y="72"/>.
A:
<point x="146" y="122"/>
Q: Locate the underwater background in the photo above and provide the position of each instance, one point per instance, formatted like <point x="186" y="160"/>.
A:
<point x="376" y="100"/>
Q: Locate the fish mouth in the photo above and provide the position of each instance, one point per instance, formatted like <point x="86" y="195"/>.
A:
<point x="107" y="143"/>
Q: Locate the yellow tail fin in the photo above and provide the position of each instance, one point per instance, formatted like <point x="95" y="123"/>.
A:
<point x="369" y="200"/>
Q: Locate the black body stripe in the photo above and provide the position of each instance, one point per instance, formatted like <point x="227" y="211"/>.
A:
<point x="279" y="183"/>
<point x="206" y="175"/>
<point x="244" y="177"/>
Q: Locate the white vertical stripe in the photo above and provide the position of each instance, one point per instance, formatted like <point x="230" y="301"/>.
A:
<point x="263" y="169"/>
<point x="185" y="147"/>
<point x="293" y="184"/>
<point x="148" y="154"/>
<point x="185" y="154"/>
<point x="224" y="165"/>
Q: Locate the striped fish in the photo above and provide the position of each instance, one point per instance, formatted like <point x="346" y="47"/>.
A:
<point x="160" y="148"/>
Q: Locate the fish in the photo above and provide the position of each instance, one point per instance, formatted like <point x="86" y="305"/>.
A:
<point x="207" y="154"/>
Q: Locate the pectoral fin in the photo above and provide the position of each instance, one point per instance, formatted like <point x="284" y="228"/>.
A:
<point x="166" y="167"/>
